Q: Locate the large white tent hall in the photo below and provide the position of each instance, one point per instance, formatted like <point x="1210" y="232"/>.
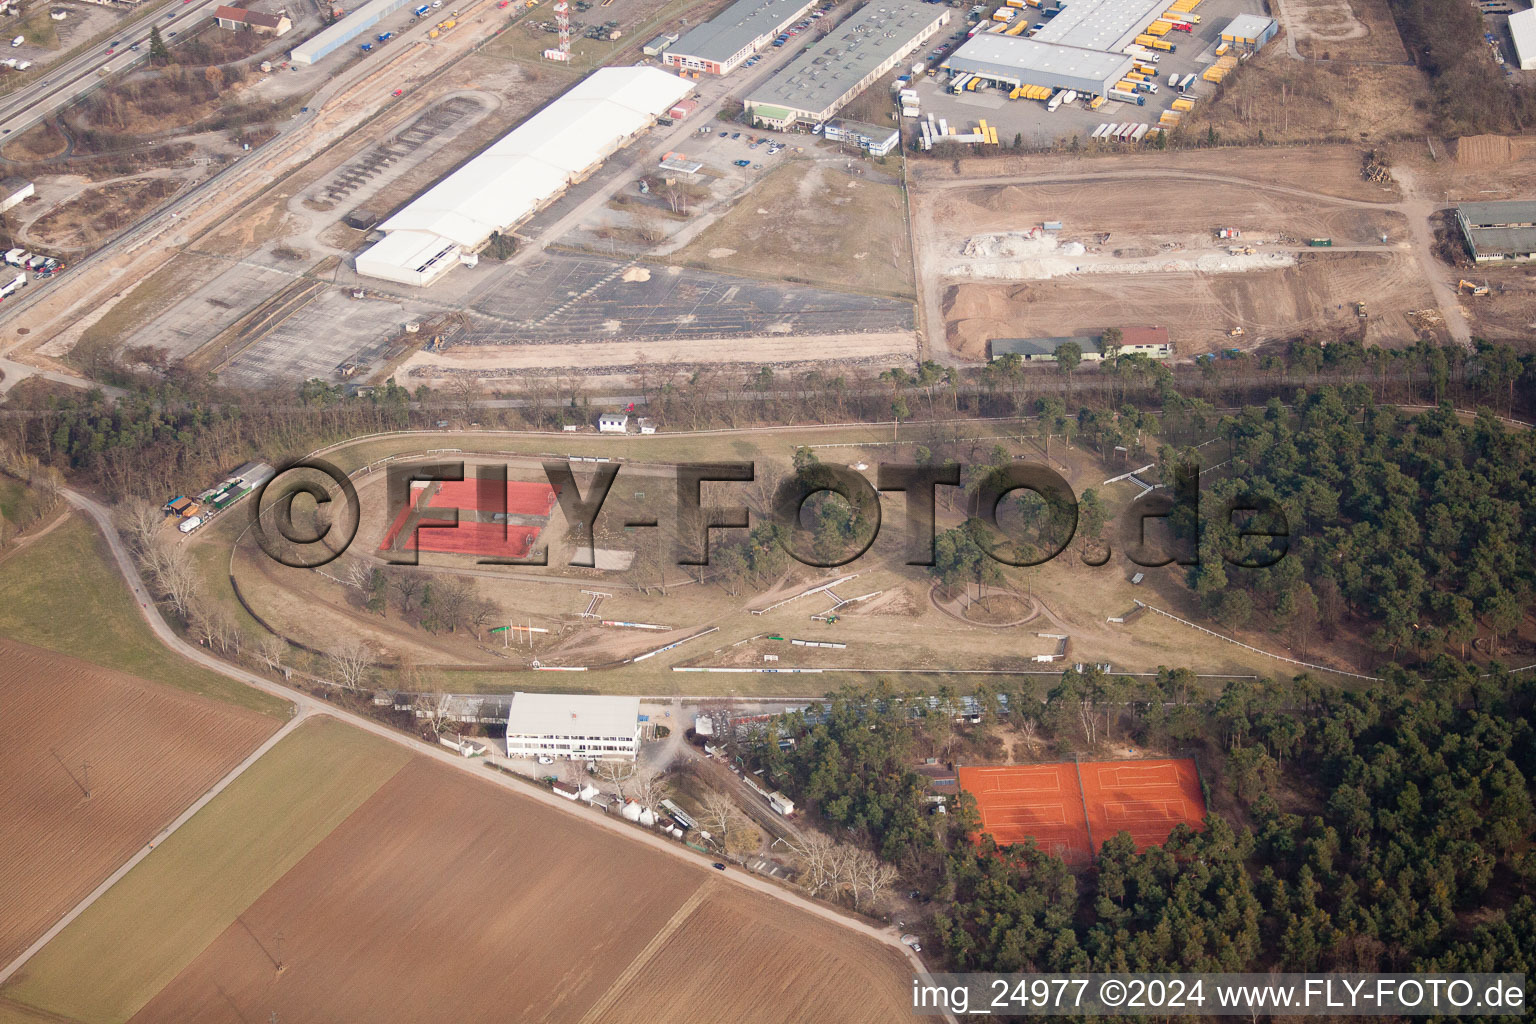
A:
<point x="520" y="172"/>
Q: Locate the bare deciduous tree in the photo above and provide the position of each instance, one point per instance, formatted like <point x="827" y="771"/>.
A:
<point x="140" y="521"/>
<point x="616" y="773"/>
<point x="271" y="649"/>
<point x="350" y="659"/>
<point x="171" y="569"/>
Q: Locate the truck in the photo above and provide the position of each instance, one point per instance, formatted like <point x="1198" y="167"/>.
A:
<point x="366" y="47"/>
<point x="1128" y="97"/>
<point x="422" y="10"/>
<point x="385" y="37"/>
<point x="1055" y="102"/>
<point x="13" y="286"/>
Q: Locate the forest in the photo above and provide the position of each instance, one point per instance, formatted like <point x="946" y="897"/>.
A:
<point x="1471" y="92"/>
<point x="1384" y="830"/>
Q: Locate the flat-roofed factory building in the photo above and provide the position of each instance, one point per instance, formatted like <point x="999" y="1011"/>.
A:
<point x="1015" y="61"/>
<point x="1499" y="231"/>
<point x="1250" y="31"/>
<point x="826" y="76"/>
<point x="573" y="726"/>
<point x="1080" y="49"/>
<point x="721" y="44"/>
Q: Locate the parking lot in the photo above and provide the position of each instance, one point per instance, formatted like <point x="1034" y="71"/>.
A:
<point x="1035" y="127"/>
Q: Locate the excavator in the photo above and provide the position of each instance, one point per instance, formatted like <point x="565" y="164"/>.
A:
<point x="1475" y="289"/>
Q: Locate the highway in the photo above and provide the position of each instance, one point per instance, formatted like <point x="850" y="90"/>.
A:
<point x="59" y="85"/>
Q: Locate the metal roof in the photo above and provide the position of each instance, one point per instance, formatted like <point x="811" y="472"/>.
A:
<point x="738" y="27"/>
<point x="1518" y="212"/>
<point x="1248" y="26"/>
<point x="1520" y="241"/>
<point x="565" y="714"/>
<point x="1020" y="56"/>
<point x="1101" y="25"/>
<point x="823" y="74"/>
<point x="1522" y="26"/>
<point x="1038" y="346"/>
<point x="521" y="171"/>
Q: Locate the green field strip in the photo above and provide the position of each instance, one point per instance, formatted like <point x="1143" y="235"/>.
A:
<point x="63" y="592"/>
<point x="145" y="930"/>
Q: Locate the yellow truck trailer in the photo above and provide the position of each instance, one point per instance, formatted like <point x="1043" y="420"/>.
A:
<point x="1096" y="102"/>
<point x="1183" y="104"/>
<point x="1158" y="29"/>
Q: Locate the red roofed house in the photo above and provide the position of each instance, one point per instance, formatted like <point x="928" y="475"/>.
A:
<point x="240" y="18"/>
<point x="1148" y="341"/>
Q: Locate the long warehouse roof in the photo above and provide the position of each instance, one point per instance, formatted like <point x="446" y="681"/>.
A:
<point x="1100" y="25"/>
<point x="735" y="28"/>
<point x="322" y="42"/>
<point x="564" y="714"/>
<point x="1522" y="28"/>
<point x="870" y="37"/>
<point x="1018" y="55"/>
<point x="529" y="165"/>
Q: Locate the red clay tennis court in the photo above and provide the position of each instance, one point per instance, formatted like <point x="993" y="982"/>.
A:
<point x="1069" y="809"/>
<point x="523" y="498"/>
<point x="1038" y="801"/>
<point x="1145" y="798"/>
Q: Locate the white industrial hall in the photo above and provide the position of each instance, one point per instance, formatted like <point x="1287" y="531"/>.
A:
<point x="519" y="173"/>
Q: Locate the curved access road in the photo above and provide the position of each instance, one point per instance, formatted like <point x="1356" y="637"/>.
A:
<point x="308" y="706"/>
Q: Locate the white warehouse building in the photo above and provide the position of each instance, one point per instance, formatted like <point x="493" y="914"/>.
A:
<point x="573" y="726"/>
<point x="1522" y="30"/>
<point x="1082" y="48"/>
<point x="520" y="172"/>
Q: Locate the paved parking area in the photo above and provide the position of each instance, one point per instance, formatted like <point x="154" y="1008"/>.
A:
<point x="1040" y="128"/>
<point x="564" y="298"/>
<point x="325" y="333"/>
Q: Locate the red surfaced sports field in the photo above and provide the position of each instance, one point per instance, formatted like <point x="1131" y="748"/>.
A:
<point x="1069" y="809"/>
<point x="491" y="540"/>
<point x="1037" y="801"/>
<point x="523" y="498"/>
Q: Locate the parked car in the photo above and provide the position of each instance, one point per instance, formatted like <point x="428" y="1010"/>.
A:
<point x="743" y="163"/>
<point x="736" y="135"/>
<point x="546" y="760"/>
<point x="719" y="866"/>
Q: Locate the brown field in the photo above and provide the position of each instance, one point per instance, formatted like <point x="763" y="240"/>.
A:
<point x="152" y="750"/>
<point x="441" y="895"/>
<point x="806" y="221"/>
<point x="768" y="963"/>
<point x="1311" y="101"/>
<point x="1345" y="30"/>
<point x="1199" y="309"/>
<point x="1316" y="293"/>
<point x="95" y="213"/>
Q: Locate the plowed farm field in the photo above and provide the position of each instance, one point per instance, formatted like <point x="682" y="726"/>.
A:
<point x="443" y="896"/>
<point x="93" y="763"/>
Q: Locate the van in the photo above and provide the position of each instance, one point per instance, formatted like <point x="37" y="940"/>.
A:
<point x="189" y="524"/>
<point x="18" y="40"/>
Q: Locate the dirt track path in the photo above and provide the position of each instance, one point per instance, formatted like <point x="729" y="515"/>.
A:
<point x="308" y="706"/>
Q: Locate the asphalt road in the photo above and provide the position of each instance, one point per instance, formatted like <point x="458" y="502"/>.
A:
<point x="306" y="706"/>
<point x="59" y="85"/>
